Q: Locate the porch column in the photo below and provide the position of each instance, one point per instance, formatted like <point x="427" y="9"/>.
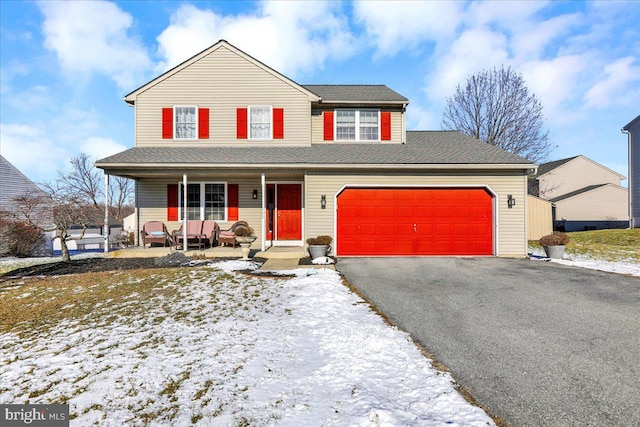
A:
<point x="184" y="212"/>
<point x="263" y="225"/>
<point x="106" y="212"/>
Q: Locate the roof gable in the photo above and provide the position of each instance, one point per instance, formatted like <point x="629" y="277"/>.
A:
<point x="545" y="168"/>
<point x="130" y="98"/>
<point x="14" y="184"/>
<point x="631" y="123"/>
<point x="585" y="190"/>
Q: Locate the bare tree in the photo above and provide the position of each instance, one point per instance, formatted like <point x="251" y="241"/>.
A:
<point x="84" y="180"/>
<point x="495" y="106"/>
<point x="87" y="182"/>
<point x="120" y="192"/>
<point x="70" y="210"/>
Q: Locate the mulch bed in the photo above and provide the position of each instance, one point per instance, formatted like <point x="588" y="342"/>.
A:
<point x="95" y="265"/>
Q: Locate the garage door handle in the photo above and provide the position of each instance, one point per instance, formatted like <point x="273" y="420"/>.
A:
<point x="415" y="228"/>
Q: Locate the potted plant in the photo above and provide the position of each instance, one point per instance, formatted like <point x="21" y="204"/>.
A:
<point x="554" y="244"/>
<point x="319" y="246"/>
<point x="245" y="237"/>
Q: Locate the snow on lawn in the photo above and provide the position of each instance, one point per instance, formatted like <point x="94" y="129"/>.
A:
<point x="630" y="267"/>
<point x="219" y="347"/>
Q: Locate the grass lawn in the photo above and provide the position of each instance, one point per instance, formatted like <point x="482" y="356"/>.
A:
<point x="607" y="245"/>
<point x="210" y="345"/>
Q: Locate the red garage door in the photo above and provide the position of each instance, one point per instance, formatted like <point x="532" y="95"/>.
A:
<point x="415" y="221"/>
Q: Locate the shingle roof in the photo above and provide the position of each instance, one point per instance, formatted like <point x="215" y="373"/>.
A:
<point x="549" y="166"/>
<point x="356" y="93"/>
<point x="422" y="148"/>
<point x="575" y="193"/>
<point x="628" y="125"/>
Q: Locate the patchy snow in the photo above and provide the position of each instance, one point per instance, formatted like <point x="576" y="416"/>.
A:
<point x="228" y="348"/>
<point x="322" y="260"/>
<point x="630" y="267"/>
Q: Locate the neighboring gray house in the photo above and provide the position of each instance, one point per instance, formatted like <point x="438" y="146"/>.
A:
<point x="632" y="129"/>
<point x="585" y="194"/>
<point x="14" y="183"/>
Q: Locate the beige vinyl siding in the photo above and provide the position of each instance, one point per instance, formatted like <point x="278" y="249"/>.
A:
<point x="317" y="126"/>
<point x="152" y="202"/>
<point x="574" y="175"/>
<point x="511" y="227"/>
<point x="222" y="81"/>
<point x="607" y="203"/>
<point x="539" y="217"/>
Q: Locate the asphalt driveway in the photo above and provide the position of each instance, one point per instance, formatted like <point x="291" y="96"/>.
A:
<point x="539" y="344"/>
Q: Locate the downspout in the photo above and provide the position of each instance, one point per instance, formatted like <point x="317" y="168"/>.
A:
<point x="630" y="192"/>
<point x="403" y="137"/>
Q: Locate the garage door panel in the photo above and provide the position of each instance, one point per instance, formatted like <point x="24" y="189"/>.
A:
<point x="415" y="221"/>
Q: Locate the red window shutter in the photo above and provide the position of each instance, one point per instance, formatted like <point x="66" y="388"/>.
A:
<point x="241" y="125"/>
<point x="385" y="128"/>
<point x="328" y="125"/>
<point x="232" y="202"/>
<point x="203" y="123"/>
<point x="172" y="202"/>
<point x="167" y="123"/>
<point x="278" y="123"/>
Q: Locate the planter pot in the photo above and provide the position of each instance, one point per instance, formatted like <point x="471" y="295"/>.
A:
<point x="245" y="245"/>
<point x="316" y="251"/>
<point x="555" y="252"/>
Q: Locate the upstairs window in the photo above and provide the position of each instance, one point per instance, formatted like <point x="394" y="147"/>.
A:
<point x="186" y="123"/>
<point x="260" y="122"/>
<point x="357" y="125"/>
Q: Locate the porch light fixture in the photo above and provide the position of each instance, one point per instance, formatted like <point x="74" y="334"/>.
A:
<point x="511" y="202"/>
<point x="323" y="202"/>
<point x="255" y="194"/>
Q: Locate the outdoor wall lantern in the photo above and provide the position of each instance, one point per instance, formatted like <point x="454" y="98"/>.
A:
<point x="255" y="194"/>
<point x="511" y="202"/>
<point x="323" y="202"/>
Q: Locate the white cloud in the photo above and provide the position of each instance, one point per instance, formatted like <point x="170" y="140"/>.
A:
<point x="531" y="41"/>
<point x="402" y="25"/>
<point x="505" y="14"/>
<point x="30" y="150"/>
<point x="91" y="36"/>
<point x="474" y="50"/>
<point x="617" y="85"/>
<point x="554" y="82"/>
<point x="292" y="37"/>
<point x="98" y="148"/>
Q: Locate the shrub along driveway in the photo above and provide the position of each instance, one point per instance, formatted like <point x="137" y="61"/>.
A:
<point x="537" y="343"/>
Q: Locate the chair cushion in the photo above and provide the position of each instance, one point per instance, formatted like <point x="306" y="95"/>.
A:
<point x="227" y="234"/>
<point x="157" y="233"/>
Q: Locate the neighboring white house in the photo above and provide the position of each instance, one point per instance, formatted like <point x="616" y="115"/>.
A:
<point x="632" y="129"/>
<point x="586" y="195"/>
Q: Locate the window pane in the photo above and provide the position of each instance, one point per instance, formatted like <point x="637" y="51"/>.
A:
<point x="214" y="202"/>
<point x="260" y="120"/>
<point x="193" y="201"/>
<point x="368" y="125"/>
<point x="345" y="125"/>
<point x="185" y="122"/>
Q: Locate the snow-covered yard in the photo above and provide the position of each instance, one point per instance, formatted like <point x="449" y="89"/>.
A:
<point x="629" y="267"/>
<point x="213" y="346"/>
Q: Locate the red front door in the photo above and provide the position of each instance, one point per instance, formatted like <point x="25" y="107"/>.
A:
<point x="287" y="211"/>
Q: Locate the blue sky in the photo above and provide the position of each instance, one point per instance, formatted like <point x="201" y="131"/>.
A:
<point x="65" y="66"/>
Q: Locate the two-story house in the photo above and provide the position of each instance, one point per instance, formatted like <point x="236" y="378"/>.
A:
<point x="223" y="136"/>
<point x="586" y="195"/>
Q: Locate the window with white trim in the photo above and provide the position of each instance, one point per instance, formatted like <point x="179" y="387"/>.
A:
<point x="357" y="125"/>
<point x="205" y="200"/>
<point x="185" y="122"/>
<point x="260" y="126"/>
